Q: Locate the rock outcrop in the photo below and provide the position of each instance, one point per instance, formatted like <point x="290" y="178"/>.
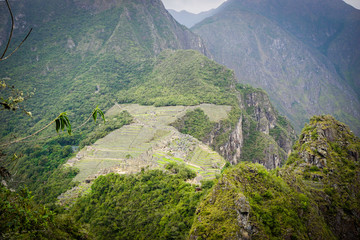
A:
<point x="259" y="134"/>
<point x="325" y="164"/>
<point x="314" y="196"/>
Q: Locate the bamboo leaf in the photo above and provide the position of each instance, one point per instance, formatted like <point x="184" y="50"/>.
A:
<point x="57" y="123"/>
<point x="95" y="115"/>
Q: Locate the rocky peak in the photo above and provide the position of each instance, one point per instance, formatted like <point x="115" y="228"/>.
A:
<point x="322" y="137"/>
<point x="325" y="162"/>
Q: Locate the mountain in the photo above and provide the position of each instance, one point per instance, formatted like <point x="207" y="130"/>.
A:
<point x="154" y="151"/>
<point x="314" y="196"/>
<point x="81" y="53"/>
<point x="184" y="94"/>
<point x="160" y="165"/>
<point x="190" y="19"/>
<point x="304" y="54"/>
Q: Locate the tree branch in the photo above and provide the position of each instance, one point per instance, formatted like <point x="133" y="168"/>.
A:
<point x="2" y="58"/>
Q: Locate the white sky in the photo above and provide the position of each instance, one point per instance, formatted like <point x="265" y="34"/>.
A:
<point x="354" y="3"/>
<point x="196" y="6"/>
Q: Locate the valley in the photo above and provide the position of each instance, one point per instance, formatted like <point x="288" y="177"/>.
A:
<point x="232" y="129"/>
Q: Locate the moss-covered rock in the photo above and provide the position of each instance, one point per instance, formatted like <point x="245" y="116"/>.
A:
<point x="325" y="165"/>
<point x="314" y="196"/>
<point x="249" y="202"/>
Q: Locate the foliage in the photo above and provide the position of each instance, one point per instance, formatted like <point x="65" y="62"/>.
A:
<point x="39" y="166"/>
<point x="261" y="199"/>
<point x="194" y="80"/>
<point x="324" y="165"/>
<point x="195" y="123"/>
<point x="39" y="169"/>
<point x="21" y="218"/>
<point x="62" y="122"/>
<point x="97" y="111"/>
<point x="115" y="122"/>
<point x="152" y="204"/>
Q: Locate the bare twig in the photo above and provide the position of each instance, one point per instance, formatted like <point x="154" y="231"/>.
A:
<point x="2" y="58"/>
<point x="48" y="125"/>
<point x="24" y="138"/>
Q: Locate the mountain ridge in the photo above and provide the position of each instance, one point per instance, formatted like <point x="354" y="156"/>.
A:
<point x="267" y="52"/>
<point x="190" y="19"/>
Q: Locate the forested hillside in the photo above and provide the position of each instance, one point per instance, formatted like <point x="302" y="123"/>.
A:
<point x="81" y="54"/>
<point x="181" y="150"/>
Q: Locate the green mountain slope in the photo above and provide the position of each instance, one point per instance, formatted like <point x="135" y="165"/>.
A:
<point x="315" y="196"/>
<point x="288" y="48"/>
<point x="248" y="128"/>
<point x="180" y="80"/>
<point x="81" y="53"/>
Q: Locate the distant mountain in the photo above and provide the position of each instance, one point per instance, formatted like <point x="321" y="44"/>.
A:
<point x="190" y="19"/>
<point x="305" y="54"/>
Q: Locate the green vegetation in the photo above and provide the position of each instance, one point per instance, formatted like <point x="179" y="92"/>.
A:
<point x="40" y="169"/>
<point x="40" y="165"/>
<point x="109" y="59"/>
<point x="152" y="204"/>
<point x="111" y="124"/>
<point x="21" y="218"/>
<point x="324" y="165"/>
<point x="195" y="123"/>
<point x="183" y="78"/>
<point x="315" y="195"/>
<point x="261" y="200"/>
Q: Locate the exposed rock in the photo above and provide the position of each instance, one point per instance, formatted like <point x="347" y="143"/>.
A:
<point x="232" y="148"/>
<point x="326" y="155"/>
<point x="263" y="111"/>
<point x="273" y="134"/>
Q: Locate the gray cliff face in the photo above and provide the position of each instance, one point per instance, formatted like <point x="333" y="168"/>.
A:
<point x="260" y="135"/>
<point x="263" y="111"/>
<point x="232" y="148"/>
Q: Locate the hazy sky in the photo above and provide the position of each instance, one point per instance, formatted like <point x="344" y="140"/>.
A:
<point x="196" y="6"/>
<point x="354" y="3"/>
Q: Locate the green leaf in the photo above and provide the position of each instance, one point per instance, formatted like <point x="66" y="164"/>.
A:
<point x="97" y="111"/>
<point x="57" y="122"/>
<point x="62" y="122"/>
<point x="95" y="115"/>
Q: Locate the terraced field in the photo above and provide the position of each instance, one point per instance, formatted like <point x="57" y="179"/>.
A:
<point x="150" y="142"/>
